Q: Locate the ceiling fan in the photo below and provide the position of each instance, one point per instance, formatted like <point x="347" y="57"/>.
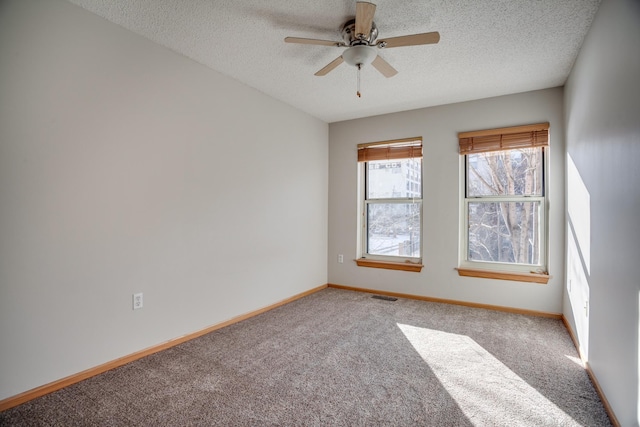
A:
<point x="360" y="38"/>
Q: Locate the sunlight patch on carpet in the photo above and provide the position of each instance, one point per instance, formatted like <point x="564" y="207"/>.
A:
<point x="486" y="390"/>
<point x="575" y="360"/>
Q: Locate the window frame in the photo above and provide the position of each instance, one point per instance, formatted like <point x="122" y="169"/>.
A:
<point x="366" y="259"/>
<point x="501" y="270"/>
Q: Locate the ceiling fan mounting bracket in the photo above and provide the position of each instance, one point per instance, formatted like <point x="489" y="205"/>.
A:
<point x="352" y="39"/>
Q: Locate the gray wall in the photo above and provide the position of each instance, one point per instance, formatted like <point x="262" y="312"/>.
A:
<point x="127" y="168"/>
<point x="602" y="107"/>
<point x="439" y="127"/>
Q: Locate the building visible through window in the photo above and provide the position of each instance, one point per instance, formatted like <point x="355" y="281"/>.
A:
<point x="391" y="200"/>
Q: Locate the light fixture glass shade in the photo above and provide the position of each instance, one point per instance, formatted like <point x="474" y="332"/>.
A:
<point x="362" y="55"/>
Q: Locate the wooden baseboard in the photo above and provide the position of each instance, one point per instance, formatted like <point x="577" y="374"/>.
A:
<point x="10" y="402"/>
<point x="603" y="398"/>
<point x="454" y="302"/>
<point x="592" y="376"/>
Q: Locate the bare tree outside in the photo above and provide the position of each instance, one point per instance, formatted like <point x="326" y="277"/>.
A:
<point x="503" y="222"/>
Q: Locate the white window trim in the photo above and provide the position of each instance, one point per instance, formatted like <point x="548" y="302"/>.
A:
<point x="362" y="219"/>
<point x="464" y="263"/>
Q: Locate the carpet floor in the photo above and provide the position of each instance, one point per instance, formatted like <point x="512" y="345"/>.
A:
<point x="343" y="358"/>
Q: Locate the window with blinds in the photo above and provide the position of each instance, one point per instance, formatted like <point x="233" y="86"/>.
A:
<point x="391" y="201"/>
<point x="504" y="199"/>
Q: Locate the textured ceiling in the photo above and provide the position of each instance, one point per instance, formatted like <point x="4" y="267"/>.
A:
<point x="487" y="47"/>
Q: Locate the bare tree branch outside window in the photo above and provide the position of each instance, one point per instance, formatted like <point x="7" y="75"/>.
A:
<point x="503" y="224"/>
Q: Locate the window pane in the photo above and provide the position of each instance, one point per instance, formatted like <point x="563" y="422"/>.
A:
<point x="504" y="232"/>
<point x="388" y="179"/>
<point x="505" y="173"/>
<point x="393" y="229"/>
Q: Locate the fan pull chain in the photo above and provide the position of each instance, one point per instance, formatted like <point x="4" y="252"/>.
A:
<point x="358" y="90"/>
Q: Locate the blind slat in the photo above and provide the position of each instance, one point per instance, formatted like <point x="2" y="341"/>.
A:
<point x="517" y="137"/>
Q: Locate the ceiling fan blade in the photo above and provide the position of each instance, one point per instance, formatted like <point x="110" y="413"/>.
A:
<point x="412" y="40"/>
<point x="384" y="67"/>
<point x="364" y="18"/>
<point x="330" y="66"/>
<point x="312" y="41"/>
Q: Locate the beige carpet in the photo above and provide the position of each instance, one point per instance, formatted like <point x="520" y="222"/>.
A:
<point x="341" y="358"/>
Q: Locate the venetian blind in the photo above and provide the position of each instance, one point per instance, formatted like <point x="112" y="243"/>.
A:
<point x="389" y="150"/>
<point x="504" y="138"/>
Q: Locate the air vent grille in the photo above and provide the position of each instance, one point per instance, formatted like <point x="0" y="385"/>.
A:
<point x="385" y="298"/>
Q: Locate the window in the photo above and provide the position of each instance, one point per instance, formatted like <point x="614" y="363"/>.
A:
<point x="504" y="203"/>
<point x="391" y="204"/>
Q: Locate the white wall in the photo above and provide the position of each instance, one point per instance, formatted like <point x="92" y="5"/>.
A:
<point x="439" y="127"/>
<point x="602" y="103"/>
<point x="127" y="168"/>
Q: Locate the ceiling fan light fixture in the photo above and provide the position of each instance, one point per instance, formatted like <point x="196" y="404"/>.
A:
<point x="359" y="55"/>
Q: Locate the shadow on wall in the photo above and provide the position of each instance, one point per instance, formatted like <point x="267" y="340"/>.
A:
<point x="578" y="253"/>
<point x="583" y="282"/>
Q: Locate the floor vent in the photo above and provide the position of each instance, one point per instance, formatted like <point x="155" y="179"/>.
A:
<point x="383" y="297"/>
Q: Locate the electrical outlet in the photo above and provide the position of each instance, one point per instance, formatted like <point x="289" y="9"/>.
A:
<point x="340" y="259"/>
<point x="137" y="301"/>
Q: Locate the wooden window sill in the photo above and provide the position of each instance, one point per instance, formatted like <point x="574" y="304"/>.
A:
<point x="505" y="275"/>
<point x="404" y="266"/>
